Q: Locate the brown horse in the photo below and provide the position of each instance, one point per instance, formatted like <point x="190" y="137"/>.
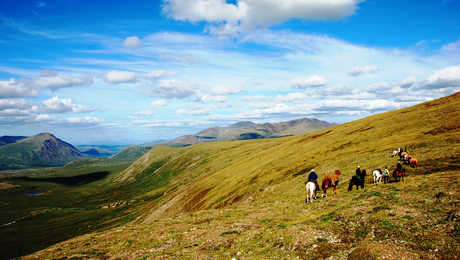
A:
<point x="398" y="175"/>
<point x="330" y="181"/>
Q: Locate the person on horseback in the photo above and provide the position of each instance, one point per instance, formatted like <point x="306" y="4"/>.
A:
<point x="358" y="171"/>
<point x="386" y="175"/>
<point x="399" y="166"/>
<point x="313" y="177"/>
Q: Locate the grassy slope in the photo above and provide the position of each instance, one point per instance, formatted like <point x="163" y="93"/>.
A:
<point x="32" y="152"/>
<point x="218" y="199"/>
<point x="57" y="212"/>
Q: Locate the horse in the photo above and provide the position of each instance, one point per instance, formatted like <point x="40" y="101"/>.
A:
<point x="378" y="176"/>
<point x="311" y="189"/>
<point x="403" y="156"/>
<point x="413" y="162"/>
<point x="395" y="153"/>
<point x="331" y="180"/>
<point x="357" y="180"/>
<point x="399" y="174"/>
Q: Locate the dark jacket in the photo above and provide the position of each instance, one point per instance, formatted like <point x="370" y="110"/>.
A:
<point x="313" y="176"/>
<point x="358" y="171"/>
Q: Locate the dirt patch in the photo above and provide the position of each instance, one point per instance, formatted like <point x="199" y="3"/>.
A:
<point x="438" y="165"/>
<point x="381" y="250"/>
<point x="303" y="171"/>
<point x="5" y="186"/>
<point x="360" y="130"/>
<point x="196" y="202"/>
<point x="443" y="130"/>
<point x="314" y="136"/>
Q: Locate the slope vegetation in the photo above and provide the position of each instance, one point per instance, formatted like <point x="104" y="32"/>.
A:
<point x="246" y="198"/>
<point x="37" y="151"/>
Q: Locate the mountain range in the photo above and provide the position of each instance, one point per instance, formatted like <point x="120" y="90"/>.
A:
<point x="45" y="150"/>
<point x="248" y="130"/>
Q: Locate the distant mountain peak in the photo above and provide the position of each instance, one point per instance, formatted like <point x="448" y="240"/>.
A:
<point x="40" y="150"/>
<point x="242" y="124"/>
<point x="46" y="135"/>
<point x="248" y="130"/>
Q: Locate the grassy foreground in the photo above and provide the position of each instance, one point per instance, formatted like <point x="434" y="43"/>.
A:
<point x="245" y="199"/>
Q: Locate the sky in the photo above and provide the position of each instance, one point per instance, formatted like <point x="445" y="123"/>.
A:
<point x="133" y="72"/>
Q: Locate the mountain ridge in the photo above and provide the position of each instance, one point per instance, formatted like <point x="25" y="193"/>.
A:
<point x="41" y="150"/>
<point x="245" y="130"/>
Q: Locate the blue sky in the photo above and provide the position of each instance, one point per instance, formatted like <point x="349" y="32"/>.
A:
<point x="123" y="72"/>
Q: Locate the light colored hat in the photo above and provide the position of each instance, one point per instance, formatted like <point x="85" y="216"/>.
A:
<point x="358" y="166"/>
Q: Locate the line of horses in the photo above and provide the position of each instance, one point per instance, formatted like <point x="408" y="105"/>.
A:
<point x="358" y="180"/>
<point x="405" y="157"/>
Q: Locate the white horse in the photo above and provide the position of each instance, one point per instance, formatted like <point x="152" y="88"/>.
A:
<point x="378" y="176"/>
<point x="311" y="191"/>
<point x="395" y="153"/>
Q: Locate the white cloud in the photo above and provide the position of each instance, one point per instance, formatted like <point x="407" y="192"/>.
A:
<point x="169" y="89"/>
<point x="83" y="120"/>
<point x="58" y="105"/>
<point x="205" y="98"/>
<point x="444" y="78"/>
<point x="144" y="113"/>
<point x="193" y="112"/>
<point x="13" y="103"/>
<point x="158" y="103"/>
<point x="226" y="90"/>
<point x="408" y="82"/>
<point x="132" y="42"/>
<point x="116" y="76"/>
<point x="292" y="97"/>
<point x="362" y="105"/>
<point x="42" y="117"/>
<point x="252" y="13"/>
<point x="54" y="81"/>
<point x="358" y="71"/>
<point x="311" y="81"/>
<point x="157" y="74"/>
<point x="14" y="88"/>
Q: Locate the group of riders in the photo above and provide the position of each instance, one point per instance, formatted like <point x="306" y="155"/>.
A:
<point x="405" y="157"/>
<point x="359" y="178"/>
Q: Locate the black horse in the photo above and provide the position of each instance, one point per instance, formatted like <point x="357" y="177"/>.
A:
<point x="358" y="181"/>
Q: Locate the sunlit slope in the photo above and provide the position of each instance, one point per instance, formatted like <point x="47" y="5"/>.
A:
<point x="214" y="175"/>
<point x="245" y="199"/>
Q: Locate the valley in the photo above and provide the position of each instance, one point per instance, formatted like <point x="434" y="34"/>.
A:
<point x="245" y="199"/>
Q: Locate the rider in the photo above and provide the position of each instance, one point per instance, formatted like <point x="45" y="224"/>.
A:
<point x="399" y="166"/>
<point x="386" y="174"/>
<point x="358" y="171"/>
<point x="313" y="177"/>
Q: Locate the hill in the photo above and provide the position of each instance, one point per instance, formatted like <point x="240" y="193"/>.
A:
<point x="37" y="151"/>
<point x="102" y="149"/>
<point x="10" y="139"/>
<point x="131" y="153"/>
<point x="245" y="199"/>
<point x="246" y="130"/>
<point x="93" y="152"/>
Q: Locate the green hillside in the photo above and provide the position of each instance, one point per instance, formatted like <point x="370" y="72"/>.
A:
<point x="37" y="151"/>
<point x="245" y="199"/>
<point x="131" y="153"/>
